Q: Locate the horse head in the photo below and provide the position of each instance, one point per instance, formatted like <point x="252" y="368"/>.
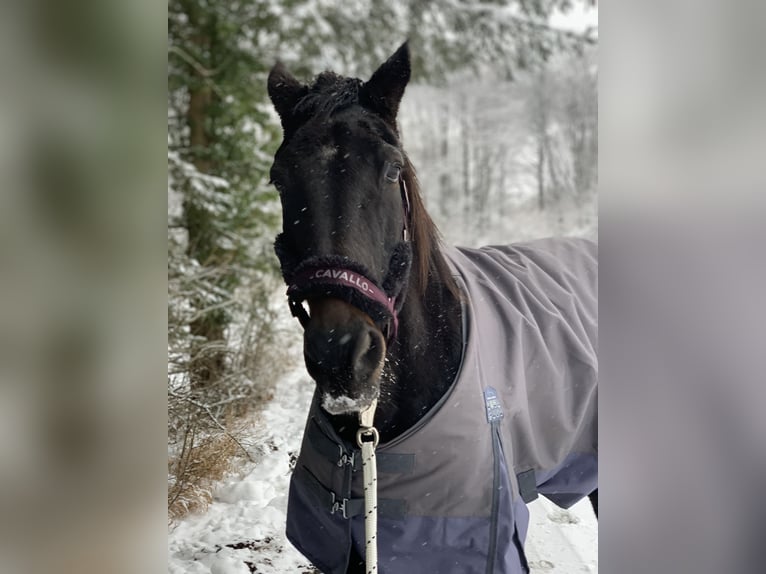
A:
<point x="345" y="245"/>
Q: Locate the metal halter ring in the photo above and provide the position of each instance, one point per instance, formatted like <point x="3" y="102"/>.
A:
<point x="371" y="431"/>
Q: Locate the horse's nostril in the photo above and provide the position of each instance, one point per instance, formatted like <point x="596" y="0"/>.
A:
<point x="354" y="353"/>
<point x="369" y="356"/>
<point x="373" y="349"/>
<point x="328" y="350"/>
<point x="362" y="345"/>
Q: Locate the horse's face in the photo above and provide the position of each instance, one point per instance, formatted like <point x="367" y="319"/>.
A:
<point x="339" y="185"/>
<point x="338" y="174"/>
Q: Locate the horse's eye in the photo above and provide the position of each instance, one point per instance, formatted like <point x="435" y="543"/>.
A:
<point x="393" y="171"/>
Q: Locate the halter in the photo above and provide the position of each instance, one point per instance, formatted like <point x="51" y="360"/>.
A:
<point x="405" y="208"/>
<point x="349" y="282"/>
<point x="311" y="279"/>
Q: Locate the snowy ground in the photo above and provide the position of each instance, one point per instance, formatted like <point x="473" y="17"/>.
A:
<point x="243" y="530"/>
<point x="562" y="541"/>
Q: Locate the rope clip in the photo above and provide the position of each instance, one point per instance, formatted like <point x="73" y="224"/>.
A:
<point x="367" y="434"/>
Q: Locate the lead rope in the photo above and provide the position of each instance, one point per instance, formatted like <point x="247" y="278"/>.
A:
<point x="367" y="438"/>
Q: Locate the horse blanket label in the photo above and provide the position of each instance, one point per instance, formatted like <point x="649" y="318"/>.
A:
<point x="494" y="410"/>
<point x="529" y="368"/>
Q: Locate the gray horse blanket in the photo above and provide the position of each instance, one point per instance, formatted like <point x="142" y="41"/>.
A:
<point x="520" y="419"/>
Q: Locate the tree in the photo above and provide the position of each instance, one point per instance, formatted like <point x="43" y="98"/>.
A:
<point x="215" y="112"/>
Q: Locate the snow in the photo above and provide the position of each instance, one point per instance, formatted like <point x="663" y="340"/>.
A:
<point x="243" y="529"/>
<point x="562" y="541"/>
<point x="578" y="19"/>
<point x="343" y="404"/>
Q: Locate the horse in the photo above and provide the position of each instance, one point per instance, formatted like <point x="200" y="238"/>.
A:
<point x="481" y="361"/>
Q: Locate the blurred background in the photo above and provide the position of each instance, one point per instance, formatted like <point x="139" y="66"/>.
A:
<point x="500" y="120"/>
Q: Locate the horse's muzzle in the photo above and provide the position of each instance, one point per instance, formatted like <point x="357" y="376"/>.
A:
<point x="344" y="352"/>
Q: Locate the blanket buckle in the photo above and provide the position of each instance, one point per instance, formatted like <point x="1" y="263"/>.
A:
<point x="338" y="505"/>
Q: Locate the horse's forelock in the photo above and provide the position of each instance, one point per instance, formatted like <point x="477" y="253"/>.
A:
<point x="328" y="94"/>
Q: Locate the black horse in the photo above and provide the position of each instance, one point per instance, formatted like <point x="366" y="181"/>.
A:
<point x="389" y="319"/>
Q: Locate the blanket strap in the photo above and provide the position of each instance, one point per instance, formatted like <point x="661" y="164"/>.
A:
<point x="367" y="438"/>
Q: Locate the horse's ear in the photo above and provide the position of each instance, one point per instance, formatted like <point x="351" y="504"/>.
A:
<point x="284" y="91"/>
<point x="384" y="91"/>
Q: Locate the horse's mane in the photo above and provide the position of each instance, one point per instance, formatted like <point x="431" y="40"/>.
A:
<point x="428" y="260"/>
<point x="331" y="93"/>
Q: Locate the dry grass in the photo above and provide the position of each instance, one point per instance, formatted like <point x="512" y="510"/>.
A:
<point x="195" y="471"/>
<point x="206" y="442"/>
<point x="209" y="425"/>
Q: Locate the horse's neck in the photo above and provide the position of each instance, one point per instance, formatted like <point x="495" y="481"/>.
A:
<point x="423" y="362"/>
